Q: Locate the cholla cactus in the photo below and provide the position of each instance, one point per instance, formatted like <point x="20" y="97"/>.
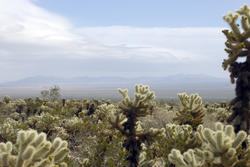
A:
<point x="140" y="106"/>
<point x="9" y="129"/>
<point x="188" y="159"/>
<point x="175" y="137"/>
<point x="143" y="162"/>
<point x="33" y="151"/>
<point x="14" y="106"/>
<point x="192" y="112"/>
<point x="236" y="41"/>
<point x="44" y="123"/>
<point x="220" y="147"/>
<point x="106" y="111"/>
<point x="142" y="103"/>
<point x="7" y="99"/>
<point x="180" y="136"/>
<point x="222" y="114"/>
<point x="221" y="144"/>
<point x="238" y="45"/>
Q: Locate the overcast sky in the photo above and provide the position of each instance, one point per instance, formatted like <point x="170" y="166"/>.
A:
<point x="112" y="37"/>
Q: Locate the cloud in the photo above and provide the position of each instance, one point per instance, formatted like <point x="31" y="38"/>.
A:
<point x="34" y="41"/>
<point x="170" y="44"/>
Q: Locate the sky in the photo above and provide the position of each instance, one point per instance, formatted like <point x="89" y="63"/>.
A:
<point x="112" y="37"/>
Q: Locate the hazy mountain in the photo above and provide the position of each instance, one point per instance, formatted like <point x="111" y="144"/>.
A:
<point x="173" y="79"/>
<point x="208" y="87"/>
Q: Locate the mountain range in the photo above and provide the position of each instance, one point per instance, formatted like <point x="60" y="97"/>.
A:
<point x="207" y="86"/>
<point x="172" y="79"/>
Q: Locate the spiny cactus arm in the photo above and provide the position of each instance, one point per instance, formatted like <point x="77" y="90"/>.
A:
<point x="178" y="132"/>
<point x="188" y="159"/>
<point x="126" y="100"/>
<point x="221" y="143"/>
<point x="192" y="112"/>
<point x="58" y="149"/>
<point x="244" y="10"/>
<point x="176" y="158"/>
<point x="126" y="104"/>
<point x="220" y="147"/>
<point x="197" y="102"/>
<point x="143" y="162"/>
<point x="32" y="150"/>
<point x="143" y="95"/>
<point x="192" y="102"/>
<point x="236" y="41"/>
<point x="116" y="119"/>
<point x="199" y="133"/>
<point x="6" y="158"/>
<point x="117" y="124"/>
<point x="222" y="138"/>
<point x="184" y="99"/>
<point x="231" y="20"/>
<point x="141" y="103"/>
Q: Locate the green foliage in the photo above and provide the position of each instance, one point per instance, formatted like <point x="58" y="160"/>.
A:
<point x="192" y="112"/>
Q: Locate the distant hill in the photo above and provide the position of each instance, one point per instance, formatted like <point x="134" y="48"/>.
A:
<point x="208" y="87"/>
<point x="173" y="79"/>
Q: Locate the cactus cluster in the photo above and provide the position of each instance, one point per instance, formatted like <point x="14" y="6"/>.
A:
<point x="192" y="112"/>
<point x="220" y="147"/>
<point x="33" y="151"/>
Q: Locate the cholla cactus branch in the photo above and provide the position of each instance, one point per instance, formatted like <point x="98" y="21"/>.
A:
<point x="237" y="41"/>
<point x="33" y="151"/>
<point x="220" y="147"/>
<point x="221" y="144"/>
<point x="188" y="159"/>
<point x="192" y="112"/>
<point x="238" y="45"/>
